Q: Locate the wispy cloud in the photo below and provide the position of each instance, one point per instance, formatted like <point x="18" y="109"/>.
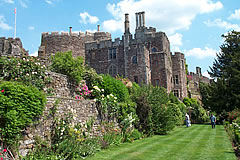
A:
<point x="87" y="18"/>
<point x="23" y="3"/>
<point x="201" y="53"/>
<point x="170" y="17"/>
<point x="4" y="25"/>
<point x="9" y="1"/>
<point x="31" y="28"/>
<point x="235" y="15"/>
<point x="48" y="2"/>
<point x="175" y="42"/>
<point x="222" y="24"/>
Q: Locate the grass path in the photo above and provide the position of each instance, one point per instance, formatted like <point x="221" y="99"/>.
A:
<point x="199" y="142"/>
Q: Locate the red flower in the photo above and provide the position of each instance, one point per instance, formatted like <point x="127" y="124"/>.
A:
<point x="2" y="90"/>
<point x="1" y="158"/>
<point x="4" y="150"/>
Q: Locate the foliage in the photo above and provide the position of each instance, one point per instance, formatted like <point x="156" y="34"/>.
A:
<point x="64" y="63"/>
<point x="26" y="69"/>
<point x="234" y="115"/>
<point x="197" y="113"/>
<point x="156" y="114"/>
<point x="115" y="87"/>
<point x="126" y="108"/>
<point x="19" y="105"/>
<point x="225" y="91"/>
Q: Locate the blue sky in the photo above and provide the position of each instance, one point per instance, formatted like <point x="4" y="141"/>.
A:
<point x="194" y="27"/>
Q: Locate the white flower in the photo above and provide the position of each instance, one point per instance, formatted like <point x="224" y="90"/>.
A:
<point x="102" y="95"/>
<point x="75" y="129"/>
<point x="114" y="101"/>
<point x="94" y="100"/>
<point x="111" y="95"/>
<point x="24" y="59"/>
<point x="107" y="96"/>
<point x="102" y="90"/>
<point x="115" y="97"/>
<point x="27" y="74"/>
<point x="96" y="88"/>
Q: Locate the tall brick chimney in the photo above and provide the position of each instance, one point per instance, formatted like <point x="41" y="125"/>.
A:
<point x="98" y="27"/>
<point x="127" y="28"/>
<point x="70" y="31"/>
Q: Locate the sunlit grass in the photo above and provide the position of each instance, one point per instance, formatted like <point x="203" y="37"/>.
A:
<point x="193" y="143"/>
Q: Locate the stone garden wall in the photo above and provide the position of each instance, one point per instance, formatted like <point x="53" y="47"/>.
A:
<point x="62" y="91"/>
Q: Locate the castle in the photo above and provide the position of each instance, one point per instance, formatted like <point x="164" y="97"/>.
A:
<point x="144" y="57"/>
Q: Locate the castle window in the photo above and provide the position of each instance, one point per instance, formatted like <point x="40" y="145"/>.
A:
<point x="157" y="83"/>
<point x="154" y="49"/>
<point x="136" y="79"/>
<point x="155" y="63"/>
<point x="134" y="59"/>
<point x="176" y="93"/>
<point x="176" y="79"/>
<point x="112" y="70"/>
<point x="112" y="53"/>
<point x="182" y="64"/>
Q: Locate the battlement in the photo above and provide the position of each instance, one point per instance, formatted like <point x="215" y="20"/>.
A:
<point x="105" y="43"/>
<point x="74" y="34"/>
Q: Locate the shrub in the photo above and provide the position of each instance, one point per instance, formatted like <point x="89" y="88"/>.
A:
<point x="115" y="87"/>
<point x="64" y="63"/>
<point x="26" y="69"/>
<point x="19" y="105"/>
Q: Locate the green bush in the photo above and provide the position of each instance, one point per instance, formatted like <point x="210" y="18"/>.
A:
<point x="19" y="105"/>
<point x="115" y="87"/>
<point x="26" y="69"/>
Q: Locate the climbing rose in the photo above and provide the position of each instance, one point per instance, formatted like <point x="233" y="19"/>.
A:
<point x="4" y="150"/>
<point x="2" y="90"/>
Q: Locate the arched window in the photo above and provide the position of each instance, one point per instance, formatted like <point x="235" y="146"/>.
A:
<point x="134" y="59"/>
<point x="112" y="70"/>
<point x="154" y="49"/>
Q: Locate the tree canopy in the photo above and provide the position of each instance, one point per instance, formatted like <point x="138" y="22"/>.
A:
<point x="224" y="92"/>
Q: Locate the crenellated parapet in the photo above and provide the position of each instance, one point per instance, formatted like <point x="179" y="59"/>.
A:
<point x="11" y="47"/>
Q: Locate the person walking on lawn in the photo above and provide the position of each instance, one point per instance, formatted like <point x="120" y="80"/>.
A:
<point x="213" y="120"/>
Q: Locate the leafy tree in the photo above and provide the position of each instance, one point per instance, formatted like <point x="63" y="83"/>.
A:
<point x="225" y="91"/>
<point x="65" y="63"/>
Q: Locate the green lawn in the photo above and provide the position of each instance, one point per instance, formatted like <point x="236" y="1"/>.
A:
<point x="194" y="143"/>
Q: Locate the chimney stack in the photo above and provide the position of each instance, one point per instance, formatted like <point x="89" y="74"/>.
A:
<point x="143" y="19"/>
<point x="70" y="31"/>
<point x="136" y="20"/>
<point x="98" y="27"/>
<point x="127" y="28"/>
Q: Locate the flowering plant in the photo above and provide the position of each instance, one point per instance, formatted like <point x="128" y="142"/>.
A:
<point x="3" y="154"/>
<point x="26" y="69"/>
<point x="83" y="92"/>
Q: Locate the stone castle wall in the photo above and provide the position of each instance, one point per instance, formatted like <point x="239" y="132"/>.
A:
<point x="11" y="47"/>
<point x="82" y="110"/>
<point x="63" y="91"/>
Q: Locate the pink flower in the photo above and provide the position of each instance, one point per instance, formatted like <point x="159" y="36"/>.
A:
<point x="80" y="93"/>
<point x="1" y="158"/>
<point x="77" y="97"/>
<point x="4" y="150"/>
<point x="2" y="90"/>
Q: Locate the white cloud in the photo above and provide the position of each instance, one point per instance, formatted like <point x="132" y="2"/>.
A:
<point x="235" y="15"/>
<point x="206" y="75"/>
<point x="34" y="54"/>
<point x="112" y="25"/>
<point x="48" y="1"/>
<point x="31" y="28"/>
<point x="175" y="42"/>
<point x="87" y="18"/>
<point x="23" y="3"/>
<point x="222" y="24"/>
<point x="175" y="39"/>
<point x="201" y="53"/>
<point x="9" y="1"/>
<point x="168" y="16"/>
<point x="3" y="25"/>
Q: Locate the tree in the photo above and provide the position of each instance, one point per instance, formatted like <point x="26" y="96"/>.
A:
<point x="225" y="91"/>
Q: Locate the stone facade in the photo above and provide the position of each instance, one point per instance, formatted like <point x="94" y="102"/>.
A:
<point x="11" y="47"/>
<point x="144" y="57"/>
<point x="62" y="42"/>
<point x="194" y="81"/>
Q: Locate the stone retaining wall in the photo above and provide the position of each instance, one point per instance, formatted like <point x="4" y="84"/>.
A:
<point x="82" y="110"/>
